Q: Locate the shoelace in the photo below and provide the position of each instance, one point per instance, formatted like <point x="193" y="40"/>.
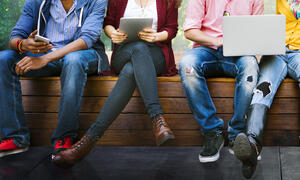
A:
<point x="4" y="140"/>
<point x="77" y="146"/>
<point x="209" y="140"/>
<point x="159" y="121"/>
<point x="62" y="141"/>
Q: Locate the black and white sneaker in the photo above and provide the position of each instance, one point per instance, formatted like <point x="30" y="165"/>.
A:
<point x="213" y="143"/>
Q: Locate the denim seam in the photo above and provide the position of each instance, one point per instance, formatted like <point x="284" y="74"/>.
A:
<point x="294" y="72"/>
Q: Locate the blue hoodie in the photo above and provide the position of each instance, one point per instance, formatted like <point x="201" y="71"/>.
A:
<point x="91" y="21"/>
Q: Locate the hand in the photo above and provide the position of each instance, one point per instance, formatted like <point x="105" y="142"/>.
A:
<point x="117" y="37"/>
<point x="34" y="47"/>
<point x="30" y="63"/>
<point x="148" y="34"/>
<point x="218" y="42"/>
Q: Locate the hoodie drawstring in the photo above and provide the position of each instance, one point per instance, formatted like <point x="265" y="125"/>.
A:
<point x="80" y="17"/>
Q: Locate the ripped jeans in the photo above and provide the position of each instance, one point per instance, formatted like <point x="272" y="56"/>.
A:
<point x="273" y="70"/>
<point x="201" y="62"/>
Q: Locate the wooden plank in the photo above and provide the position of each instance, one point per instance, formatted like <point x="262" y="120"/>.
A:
<point x="142" y="121"/>
<point x="175" y="78"/>
<point x="42" y="87"/>
<point x="41" y="137"/>
<point x="169" y="105"/>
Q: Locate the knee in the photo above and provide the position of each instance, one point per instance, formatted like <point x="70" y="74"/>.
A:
<point x="8" y="59"/>
<point x="75" y="60"/>
<point x="140" y="46"/>
<point x="248" y="70"/>
<point x="188" y="67"/>
<point x="127" y="71"/>
<point x="249" y="65"/>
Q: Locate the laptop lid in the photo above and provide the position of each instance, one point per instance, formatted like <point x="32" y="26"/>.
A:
<point x="253" y="35"/>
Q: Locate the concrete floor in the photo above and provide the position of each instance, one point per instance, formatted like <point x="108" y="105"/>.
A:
<point x="153" y="163"/>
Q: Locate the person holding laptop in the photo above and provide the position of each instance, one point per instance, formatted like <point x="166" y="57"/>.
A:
<point x="137" y="63"/>
<point x="273" y="70"/>
<point x="203" y="26"/>
<point x="73" y="27"/>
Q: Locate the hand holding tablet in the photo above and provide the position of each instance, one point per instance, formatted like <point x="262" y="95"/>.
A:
<point x="133" y="26"/>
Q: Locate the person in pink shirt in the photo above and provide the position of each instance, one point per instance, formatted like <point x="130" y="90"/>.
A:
<point x="203" y="26"/>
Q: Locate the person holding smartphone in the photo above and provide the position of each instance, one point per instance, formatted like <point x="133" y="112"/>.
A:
<point x="74" y="28"/>
<point x="138" y="64"/>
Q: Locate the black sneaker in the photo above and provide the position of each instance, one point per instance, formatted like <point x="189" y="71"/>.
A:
<point x="213" y="143"/>
<point x="247" y="152"/>
<point x="230" y="146"/>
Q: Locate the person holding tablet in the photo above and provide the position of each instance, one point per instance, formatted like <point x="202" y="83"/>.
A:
<point x="73" y="27"/>
<point x="203" y="26"/>
<point x="273" y="70"/>
<point x="137" y="63"/>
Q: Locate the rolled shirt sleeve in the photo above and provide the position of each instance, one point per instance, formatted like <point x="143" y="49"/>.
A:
<point x="92" y="26"/>
<point x="195" y="13"/>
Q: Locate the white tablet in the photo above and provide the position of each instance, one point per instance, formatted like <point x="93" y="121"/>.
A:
<point x="133" y="25"/>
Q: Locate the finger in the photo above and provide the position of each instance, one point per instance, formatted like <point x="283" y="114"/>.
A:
<point x="33" y="34"/>
<point x="19" y="65"/>
<point x="149" y="30"/>
<point x="23" y="62"/>
<point x="47" y="48"/>
<point x="38" y="44"/>
<point x="27" y="67"/>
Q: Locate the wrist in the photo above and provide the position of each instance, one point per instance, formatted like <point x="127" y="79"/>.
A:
<point x="19" y="46"/>
<point x="46" y="59"/>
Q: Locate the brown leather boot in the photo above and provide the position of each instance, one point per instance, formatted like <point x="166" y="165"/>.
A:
<point x="161" y="130"/>
<point x="68" y="157"/>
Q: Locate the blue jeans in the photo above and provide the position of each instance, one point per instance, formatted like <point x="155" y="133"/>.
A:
<point x="273" y="70"/>
<point x="73" y="70"/>
<point x="202" y="62"/>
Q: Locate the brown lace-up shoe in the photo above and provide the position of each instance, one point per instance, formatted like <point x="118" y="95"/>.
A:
<point x="161" y="130"/>
<point x="68" y="157"/>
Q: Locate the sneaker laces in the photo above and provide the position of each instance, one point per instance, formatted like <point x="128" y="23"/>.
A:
<point x="209" y="140"/>
<point x="62" y="141"/>
<point x="159" y="122"/>
<point x="4" y="140"/>
<point x="82" y="142"/>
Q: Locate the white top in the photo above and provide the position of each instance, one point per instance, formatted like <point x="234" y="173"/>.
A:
<point x="134" y="10"/>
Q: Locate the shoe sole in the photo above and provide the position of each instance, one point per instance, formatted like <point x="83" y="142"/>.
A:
<point x="13" y="152"/>
<point x="208" y="159"/>
<point x="231" y="151"/>
<point x="242" y="148"/>
<point x="165" y="139"/>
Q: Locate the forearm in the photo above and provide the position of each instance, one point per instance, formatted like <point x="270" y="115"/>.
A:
<point x="13" y="44"/>
<point x="76" y="45"/>
<point x="200" y="37"/>
<point x="109" y="29"/>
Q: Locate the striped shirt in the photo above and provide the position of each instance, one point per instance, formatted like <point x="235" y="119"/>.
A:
<point x="62" y="26"/>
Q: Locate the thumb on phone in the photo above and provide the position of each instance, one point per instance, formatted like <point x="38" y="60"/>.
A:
<point x="33" y="34"/>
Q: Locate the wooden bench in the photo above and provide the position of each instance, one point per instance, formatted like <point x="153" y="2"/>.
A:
<point x="133" y="126"/>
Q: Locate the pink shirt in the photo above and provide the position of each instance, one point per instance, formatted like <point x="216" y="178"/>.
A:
<point x="206" y="15"/>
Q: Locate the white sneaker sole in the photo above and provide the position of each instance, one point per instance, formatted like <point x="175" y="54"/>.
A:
<point x="13" y="152"/>
<point x="207" y="159"/>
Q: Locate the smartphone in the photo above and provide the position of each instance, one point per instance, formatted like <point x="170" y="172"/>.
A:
<point x="41" y="39"/>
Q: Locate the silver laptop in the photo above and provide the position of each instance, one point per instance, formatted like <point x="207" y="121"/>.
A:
<point x="253" y="35"/>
